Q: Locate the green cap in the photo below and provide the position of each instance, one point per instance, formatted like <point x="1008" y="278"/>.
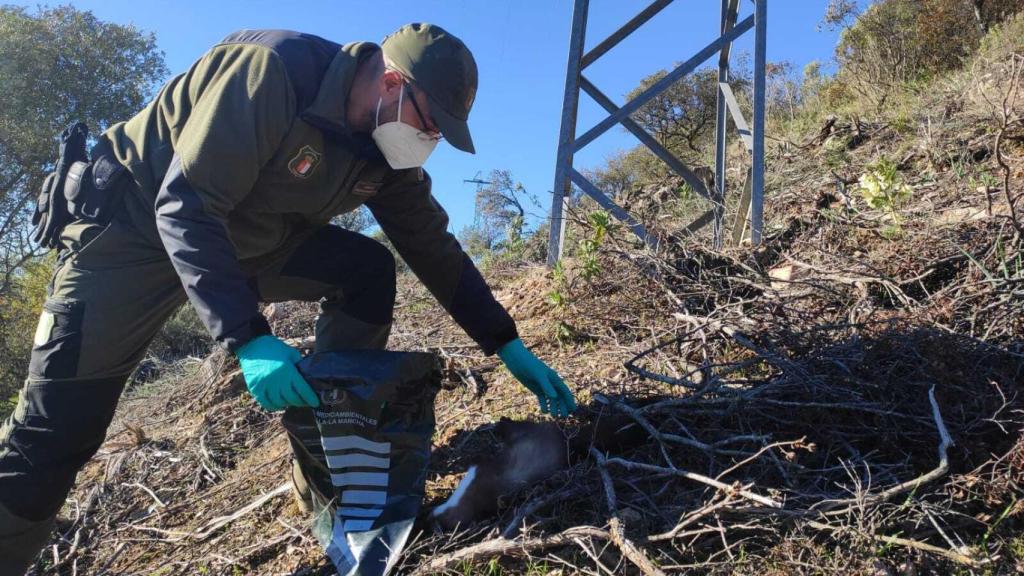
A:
<point x="444" y="69"/>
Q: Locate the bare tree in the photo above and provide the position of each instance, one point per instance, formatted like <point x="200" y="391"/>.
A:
<point x="500" y="214"/>
<point x="839" y="14"/>
<point x="498" y="200"/>
<point x="977" y="5"/>
<point x="784" y="89"/>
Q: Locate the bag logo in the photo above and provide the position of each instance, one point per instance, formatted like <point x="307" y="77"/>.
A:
<point x="332" y="396"/>
<point x="303" y="164"/>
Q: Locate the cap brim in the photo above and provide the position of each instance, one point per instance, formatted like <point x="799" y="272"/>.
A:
<point x="454" y="130"/>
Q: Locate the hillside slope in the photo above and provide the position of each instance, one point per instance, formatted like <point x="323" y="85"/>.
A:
<point x="845" y="398"/>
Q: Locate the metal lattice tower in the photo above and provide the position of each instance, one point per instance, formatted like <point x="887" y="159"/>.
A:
<point x="751" y="203"/>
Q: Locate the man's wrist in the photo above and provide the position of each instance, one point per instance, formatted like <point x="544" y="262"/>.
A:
<point x="257" y="326"/>
<point x="503" y="337"/>
<point x="509" y="348"/>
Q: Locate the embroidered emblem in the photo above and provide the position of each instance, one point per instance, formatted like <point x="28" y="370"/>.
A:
<point x="365" y="188"/>
<point x="303" y="164"/>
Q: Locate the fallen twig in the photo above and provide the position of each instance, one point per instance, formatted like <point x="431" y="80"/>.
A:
<point x="729" y="489"/>
<point x="217" y="523"/>
<point x="509" y="547"/>
<point x="618" y="532"/>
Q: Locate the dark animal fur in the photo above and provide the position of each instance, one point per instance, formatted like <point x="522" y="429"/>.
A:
<point x="532" y="452"/>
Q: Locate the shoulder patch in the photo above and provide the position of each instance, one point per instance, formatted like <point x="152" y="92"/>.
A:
<point x="303" y="164"/>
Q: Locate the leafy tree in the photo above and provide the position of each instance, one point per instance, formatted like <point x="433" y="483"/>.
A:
<point x="990" y="12"/>
<point x="477" y="242"/>
<point x="357" y="220"/>
<point x="841" y="13"/>
<point x="682" y="118"/>
<point x="894" y="42"/>
<point x="57" y="65"/>
<point x="624" y="173"/>
<point x="498" y="201"/>
<point x="19" y="311"/>
<point x="878" y="52"/>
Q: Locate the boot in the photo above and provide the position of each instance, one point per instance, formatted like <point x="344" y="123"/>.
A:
<point x="366" y="461"/>
<point x="300" y="489"/>
<point x="20" y="541"/>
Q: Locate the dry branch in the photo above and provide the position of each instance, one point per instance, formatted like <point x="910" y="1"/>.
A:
<point x="618" y="531"/>
<point x="217" y="523"/>
<point x="727" y="488"/>
<point x="511" y="548"/>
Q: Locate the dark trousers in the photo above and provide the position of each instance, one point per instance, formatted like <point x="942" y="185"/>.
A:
<point x="112" y="291"/>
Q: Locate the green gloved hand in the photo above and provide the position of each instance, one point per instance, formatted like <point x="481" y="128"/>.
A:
<point x="268" y="365"/>
<point x="554" y="396"/>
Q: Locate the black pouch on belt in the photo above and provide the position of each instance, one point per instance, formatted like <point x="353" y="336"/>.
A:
<point x="52" y="213"/>
<point x="91" y="187"/>
<point x="367" y="455"/>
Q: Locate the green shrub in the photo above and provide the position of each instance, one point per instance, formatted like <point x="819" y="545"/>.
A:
<point x="883" y="188"/>
<point x="183" y="335"/>
<point x="600" y="224"/>
<point x="894" y="42"/>
<point x="1004" y="39"/>
<point x="19" y="314"/>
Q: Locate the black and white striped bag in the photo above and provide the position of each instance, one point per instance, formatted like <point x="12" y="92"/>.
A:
<point x="364" y="451"/>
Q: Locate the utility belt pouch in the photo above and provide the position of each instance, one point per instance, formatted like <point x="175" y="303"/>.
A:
<point x="52" y="214"/>
<point x="77" y="178"/>
<point x="91" y="188"/>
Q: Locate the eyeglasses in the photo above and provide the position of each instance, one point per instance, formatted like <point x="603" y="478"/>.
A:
<point x="430" y="134"/>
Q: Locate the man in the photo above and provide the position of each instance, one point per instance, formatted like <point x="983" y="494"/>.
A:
<point x="222" y="191"/>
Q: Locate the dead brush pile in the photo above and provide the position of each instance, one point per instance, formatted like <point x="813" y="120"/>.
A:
<point x="813" y="424"/>
<point x="844" y="399"/>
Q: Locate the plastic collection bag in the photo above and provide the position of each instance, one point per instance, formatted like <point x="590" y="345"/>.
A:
<point x="364" y="451"/>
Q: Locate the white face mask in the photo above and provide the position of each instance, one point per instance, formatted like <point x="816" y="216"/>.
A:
<point x="402" y="145"/>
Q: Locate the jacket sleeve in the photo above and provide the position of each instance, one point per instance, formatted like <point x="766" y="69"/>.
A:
<point x="242" y="107"/>
<point x="418" y="227"/>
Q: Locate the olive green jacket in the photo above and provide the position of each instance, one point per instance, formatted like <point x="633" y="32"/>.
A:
<point x="247" y="153"/>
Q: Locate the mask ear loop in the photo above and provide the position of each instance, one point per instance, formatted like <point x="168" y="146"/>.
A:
<point x="401" y="91"/>
<point x="376" y="117"/>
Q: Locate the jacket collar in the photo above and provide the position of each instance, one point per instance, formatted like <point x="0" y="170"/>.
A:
<point x="327" y="112"/>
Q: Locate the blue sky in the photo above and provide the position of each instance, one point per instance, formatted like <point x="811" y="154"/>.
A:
<point x="520" y="47"/>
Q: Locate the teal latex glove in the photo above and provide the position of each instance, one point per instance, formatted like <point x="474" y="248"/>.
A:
<point x="554" y="396"/>
<point x="268" y="365"/>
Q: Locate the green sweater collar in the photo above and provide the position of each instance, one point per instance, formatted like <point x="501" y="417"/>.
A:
<point x="327" y="111"/>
